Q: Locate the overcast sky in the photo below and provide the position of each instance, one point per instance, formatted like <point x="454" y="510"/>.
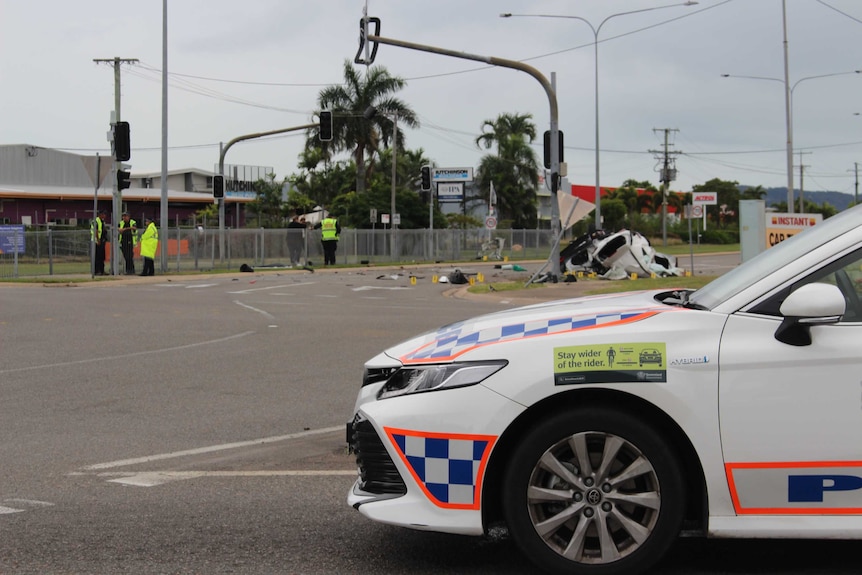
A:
<point x="244" y="67"/>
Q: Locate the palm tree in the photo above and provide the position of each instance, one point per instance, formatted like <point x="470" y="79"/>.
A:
<point x="351" y="130"/>
<point x="514" y="169"/>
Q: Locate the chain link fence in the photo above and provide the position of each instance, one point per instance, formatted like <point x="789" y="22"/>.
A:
<point x="69" y="252"/>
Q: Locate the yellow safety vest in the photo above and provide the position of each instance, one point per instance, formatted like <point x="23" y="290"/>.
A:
<point x="329" y="230"/>
<point x="150" y="241"/>
<point x="132" y="224"/>
<point x="97" y="226"/>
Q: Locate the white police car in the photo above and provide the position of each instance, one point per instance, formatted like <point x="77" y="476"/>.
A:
<point x="601" y="428"/>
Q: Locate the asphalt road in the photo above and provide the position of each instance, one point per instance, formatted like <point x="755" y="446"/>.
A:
<point x="196" y="425"/>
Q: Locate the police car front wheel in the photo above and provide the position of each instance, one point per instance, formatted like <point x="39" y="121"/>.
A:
<point x="593" y="491"/>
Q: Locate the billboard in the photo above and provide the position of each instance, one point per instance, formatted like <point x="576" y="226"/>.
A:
<point x="450" y="192"/>
<point x="239" y="180"/>
<point x="780" y="226"/>
<point x="452" y="175"/>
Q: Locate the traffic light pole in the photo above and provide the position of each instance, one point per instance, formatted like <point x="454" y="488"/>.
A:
<point x="515" y="65"/>
<point x="222" y="154"/>
<point x="117" y="194"/>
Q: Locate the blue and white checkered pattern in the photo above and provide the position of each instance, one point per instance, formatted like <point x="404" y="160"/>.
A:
<point x="456" y="340"/>
<point x="448" y="468"/>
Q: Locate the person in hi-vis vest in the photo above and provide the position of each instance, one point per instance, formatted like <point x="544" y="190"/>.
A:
<point x="330" y="229"/>
<point x="128" y="230"/>
<point x="149" y="245"/>
<point x="99" y="235"/>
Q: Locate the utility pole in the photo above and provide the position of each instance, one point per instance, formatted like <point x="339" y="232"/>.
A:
<point x="117" y="203"/>
<point x="667" y="174"/>
<point x="801" y="182"/>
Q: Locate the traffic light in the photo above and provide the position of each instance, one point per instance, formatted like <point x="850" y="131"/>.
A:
<point x="218" y="186"/>
<point x="547" y="147"/>
<point x="122" y="143"/>
<point x="123" y="179"/>
<point x="325" y="126"/>
<point x="426" y="178"/>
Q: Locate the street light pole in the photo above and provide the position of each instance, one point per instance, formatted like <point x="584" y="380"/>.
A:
<point x="788" y="121"/>
<point x="392" y="232"/>
<point x="596" y="30"/>
<point x="788" y="110"/>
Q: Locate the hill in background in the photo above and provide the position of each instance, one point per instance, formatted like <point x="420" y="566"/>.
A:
<point x="839" y="200"/>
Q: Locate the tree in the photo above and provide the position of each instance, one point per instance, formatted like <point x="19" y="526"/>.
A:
<point x="613" y="214"/>
<point x="208" y="215"/>
<point x="513" y="170"/>
<point x="753" y="193"/>
<point x="827" y="210"/>
<point x="265" y="211"/>
<point x="322" y="186"/>
<point x="351" y="130"/>
<point x="353" y="208"/>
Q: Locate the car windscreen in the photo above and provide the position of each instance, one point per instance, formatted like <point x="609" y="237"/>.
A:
<point x="775" y="258"/>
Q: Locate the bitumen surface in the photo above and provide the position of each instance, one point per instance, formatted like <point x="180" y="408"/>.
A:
<point x="706" y="264"/>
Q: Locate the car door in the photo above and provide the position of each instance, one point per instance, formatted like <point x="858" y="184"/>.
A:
<point x="791" y="415"/>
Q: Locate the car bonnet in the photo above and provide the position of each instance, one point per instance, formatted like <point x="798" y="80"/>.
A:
<point x="456" y="341"/>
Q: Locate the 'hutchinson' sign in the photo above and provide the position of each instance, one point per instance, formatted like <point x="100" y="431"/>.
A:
<point x="452" y="174"/>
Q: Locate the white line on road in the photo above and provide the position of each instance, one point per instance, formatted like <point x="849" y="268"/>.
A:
<point x="211" y="449"/>
<point x="279" y="286"/>
<point x="7" y="510"/>
<point x="366" y="288"/>
<point x="265" y="314"/>
<point x="154" y="478"/>
<point x="30" y="502"/>
<point x="113" y="358"/>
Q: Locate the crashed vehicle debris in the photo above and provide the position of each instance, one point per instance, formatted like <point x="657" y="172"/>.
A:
<point x="617" y="256"/>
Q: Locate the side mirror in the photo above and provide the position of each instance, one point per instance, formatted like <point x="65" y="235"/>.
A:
<point x="811" y="304"/>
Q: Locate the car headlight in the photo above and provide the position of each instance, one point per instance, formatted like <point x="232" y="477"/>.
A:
<point x="421" y="378"/>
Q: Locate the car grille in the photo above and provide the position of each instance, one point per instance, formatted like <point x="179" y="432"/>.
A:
<point x="377" y="471"/>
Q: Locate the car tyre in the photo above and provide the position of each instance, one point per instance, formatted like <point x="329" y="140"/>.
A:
<point x="593" y="492"/>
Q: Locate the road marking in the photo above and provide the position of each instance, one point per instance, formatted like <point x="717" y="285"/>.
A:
<point x="211" y="449"/>
<point x="366" y="288"/>
<point x="279" y="286"/>
<point x="8" y="510"/>
<point x="265" y="314"/>
<point x="155" y="478"/>
<point x="200" y="286"/>
<point x="113" y="358"/>
<point x="30" y="502"/>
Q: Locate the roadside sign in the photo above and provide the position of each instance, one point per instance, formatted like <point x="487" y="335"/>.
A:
<point x="12" y="239"/>
<point x="396" y="220"/>
<point x="452" y="175"/>
<point x="384" y="218"/>
<point x="705" y="199"/>
<point x="491" y="223"/>
<point x="779" y="227"/>
<point x="450" y="192"/>
<point x="373" y="215"/>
